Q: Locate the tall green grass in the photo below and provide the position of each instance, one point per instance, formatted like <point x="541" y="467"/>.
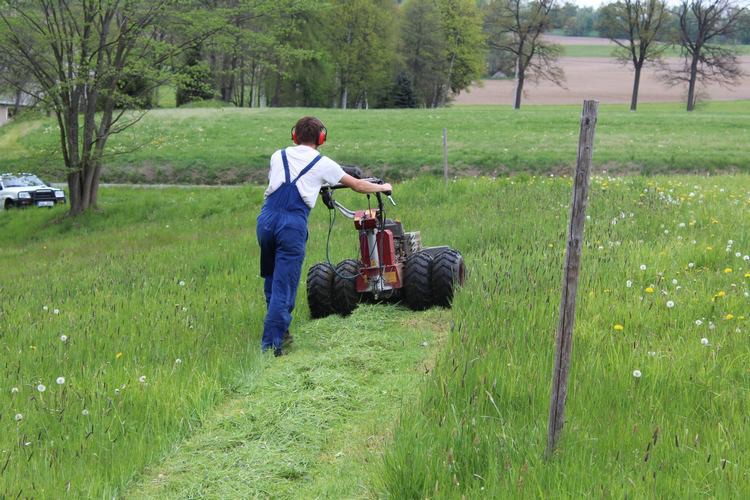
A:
<point x="665" y="265"/>
<point x="479" y="426"/>
<point x="229" y="145"/>
<point x="607" y="50"/>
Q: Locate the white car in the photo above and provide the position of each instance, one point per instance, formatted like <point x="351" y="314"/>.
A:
<point x="23" y="190"/>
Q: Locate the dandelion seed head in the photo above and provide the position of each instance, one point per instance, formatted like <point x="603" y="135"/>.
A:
<point x="651" y="353"/>
<point x="182" y="283"/>
<point x="60" y="380"/>
<point x="704" y="341"/>
<point x="738" y="254"/>
<point x="637" y="373"/>
<point x="18" y="417"/>
<point x="142" y="379"/>
<point x="629" y="284"/>
<point x="643" y="267"/>
<point x="85" y="412"/>
<point x="45" y="308"/>
<point x="698" y="322"/>
<point x="670" y="304"/>
<point x="674" y="281"/>
<point x="691" y="264"/>
<point x="41" y="388"/>
<point x="56" y="311"/>
<point x="63" y="338"/>
<point x="177" y="361"/>
<point x="117" y="392"/>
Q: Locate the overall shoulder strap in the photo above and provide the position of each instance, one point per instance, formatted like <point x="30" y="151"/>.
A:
<point x="307" y="168"/>
<point x="286" y="166"/>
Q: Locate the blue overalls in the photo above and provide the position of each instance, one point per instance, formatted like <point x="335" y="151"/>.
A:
<point x="282" y="235"/>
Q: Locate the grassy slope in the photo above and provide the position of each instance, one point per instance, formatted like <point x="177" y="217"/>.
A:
<point x="231" y="145"/>
<point x="479" y="422"/>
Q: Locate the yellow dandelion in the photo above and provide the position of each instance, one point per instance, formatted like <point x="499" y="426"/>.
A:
<point x="708" y="249"/>
<point x="721" y="293"/>
<point x="118" y="355"/>
<point x="747" y="275"/>
<point x="727" y="270"/>
<point x="729" y="316"/>
<point x="618" y="327"/>
<point x="649" y="290"/>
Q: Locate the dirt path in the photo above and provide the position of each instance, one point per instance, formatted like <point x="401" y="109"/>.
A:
<point x="599" y="78"/>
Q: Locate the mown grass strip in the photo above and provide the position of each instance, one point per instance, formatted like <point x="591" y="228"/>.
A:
<point x="310" y="424"/>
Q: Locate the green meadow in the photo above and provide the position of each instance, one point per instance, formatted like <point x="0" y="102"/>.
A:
<point x="130" y="338"/>
<point x="231" y="146"/>
<point x="607" y="50"/>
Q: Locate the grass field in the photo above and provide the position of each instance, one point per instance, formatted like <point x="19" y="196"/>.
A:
<point x="607" y="50"/>
<point x="229" y="145"/>
<point x="159" y="303"/>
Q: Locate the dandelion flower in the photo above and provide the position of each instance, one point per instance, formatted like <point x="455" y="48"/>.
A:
<point x="629" y="284"/>
<point x="720" y="293"/>
<point x="618" y="327"/>
<point x="118" y="355"/>
<point x="727" y="270"/>
<point x="18" y="417"/>
<point x="41" y="388"/>
<point x="63" y="338"/>
<point x="670" y="304"/>
<point x="60" y="380"/>
<point x="14" y="390"/>
<point x="649" y="290"/>
<point x="142" y="379"/>
<point x="704" y="341"/>
<point x="637" y="373"/>
<point x="643" y="267"/>
<point x="729" y="316"/>
<point x="85" y="412"/>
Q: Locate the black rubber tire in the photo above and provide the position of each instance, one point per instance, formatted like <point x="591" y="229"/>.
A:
<point x="417" y="282"/>
<point x="320" y="290"/>
<point x="345" y="295"/>
<point x="448" y="273"/>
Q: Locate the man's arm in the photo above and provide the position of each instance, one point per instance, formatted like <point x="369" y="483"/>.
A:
<point x="363" y="186"/>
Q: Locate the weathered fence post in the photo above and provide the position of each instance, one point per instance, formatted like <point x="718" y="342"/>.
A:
<point x="445" y="154"/>
<point x="564" y="338"/>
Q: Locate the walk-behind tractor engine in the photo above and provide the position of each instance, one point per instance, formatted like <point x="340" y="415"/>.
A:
<point x="392" y="264"/>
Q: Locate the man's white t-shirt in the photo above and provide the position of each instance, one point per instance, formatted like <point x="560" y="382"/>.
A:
<point x="325" y="172"/>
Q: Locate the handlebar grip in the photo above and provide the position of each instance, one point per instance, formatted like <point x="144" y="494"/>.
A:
<point x="388" y="193"/>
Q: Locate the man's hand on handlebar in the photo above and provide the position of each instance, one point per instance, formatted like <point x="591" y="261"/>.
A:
<point x="365" y="186"/>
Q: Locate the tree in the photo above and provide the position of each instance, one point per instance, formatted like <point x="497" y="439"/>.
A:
<point x="641" y="21"/>
<point x="702" y="24"/>
<point x="442" y="48"/>
<point x="516" y="27"/>
<point x="361" y="43"/>
<point x="79" y="53"/>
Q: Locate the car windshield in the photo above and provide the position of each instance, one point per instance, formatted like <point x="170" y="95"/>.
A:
<point x="10" y="181"/>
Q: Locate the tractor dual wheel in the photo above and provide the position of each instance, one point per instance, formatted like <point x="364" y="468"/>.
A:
<point x="417" y="283"/>
<point x="345" y="294"/>
<point x="320" y="290"/>
<point x="448" y="272"/>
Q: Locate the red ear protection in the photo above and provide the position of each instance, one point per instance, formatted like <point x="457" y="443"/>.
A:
<point x="321" y="137"/>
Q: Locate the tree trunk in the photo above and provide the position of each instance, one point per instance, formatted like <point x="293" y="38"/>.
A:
<point x="691" y="83"/>
<point x="636" y="84"/>
<point x="344" y="96"/>
<point x="518" y="91"/>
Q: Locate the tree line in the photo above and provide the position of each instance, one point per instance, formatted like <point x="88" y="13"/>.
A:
<point x="90" y="61"/>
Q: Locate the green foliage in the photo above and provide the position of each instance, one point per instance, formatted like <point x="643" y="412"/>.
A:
<point x="194" y="81"/>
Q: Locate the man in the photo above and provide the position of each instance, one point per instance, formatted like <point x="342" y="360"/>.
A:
<point x="295" y="179"/>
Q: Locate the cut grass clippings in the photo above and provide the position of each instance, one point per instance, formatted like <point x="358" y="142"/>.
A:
<point x="313" y="423"/>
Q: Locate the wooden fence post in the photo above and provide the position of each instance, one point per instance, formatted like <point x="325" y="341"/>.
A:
<point x="564" y="338"/>
<point x="445" y="154"/>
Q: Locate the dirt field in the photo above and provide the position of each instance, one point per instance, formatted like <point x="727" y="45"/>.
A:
<point x="600" y="78"/>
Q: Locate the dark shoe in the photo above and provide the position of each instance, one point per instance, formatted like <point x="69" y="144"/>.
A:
<point x="278" y="352"/>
